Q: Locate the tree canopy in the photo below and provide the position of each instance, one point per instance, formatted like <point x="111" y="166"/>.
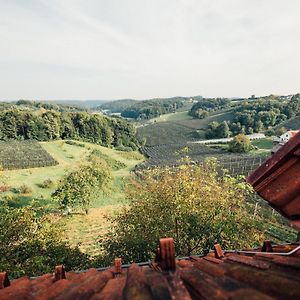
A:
<point x="78" y="188"/>
<point x="192" y="204"/>
<point x="45" y="125"/>
<point x="240" y="144"/>
<point x="32" y="245"/>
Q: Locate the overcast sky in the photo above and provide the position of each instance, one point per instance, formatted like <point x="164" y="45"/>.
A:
<point x="108" y="49"/>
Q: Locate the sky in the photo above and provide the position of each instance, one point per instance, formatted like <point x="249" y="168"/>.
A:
<point x="109" y="49"/>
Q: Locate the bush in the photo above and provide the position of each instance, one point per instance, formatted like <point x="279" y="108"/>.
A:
<point x="47" y="183"/>
<point x="113" y="163"/>
<point x="123" y="148"/>
<point x="192" y="204"/>
<point x="33" y="245"/>
<point x="270" y="132"/>
<point x="240" y="144"/>
<point x="75" y="144"/>
<point x="78" y="188"/>
<point x="24" y="189"/>
<point x="4" y="188"/>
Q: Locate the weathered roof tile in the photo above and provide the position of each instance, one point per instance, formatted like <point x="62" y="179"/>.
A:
<point x="254" y="275"/>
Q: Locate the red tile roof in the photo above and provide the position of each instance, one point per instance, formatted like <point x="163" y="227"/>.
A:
<point x="220" y="275"/>
<point x="277" y="180"/>
<point x="293" y="132"/>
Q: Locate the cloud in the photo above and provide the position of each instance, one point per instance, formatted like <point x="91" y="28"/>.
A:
<point x="119" y="49"/>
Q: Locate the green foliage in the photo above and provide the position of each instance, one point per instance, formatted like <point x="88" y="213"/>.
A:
<point x="117" y="106"/>
<point x="192" y="204"/>
<point x="202" y="108"/>
<point x="216" y="130"/>
<point x="73" y="143"/>
<point x="32" y="245"/>
<point x="24" y="189"/>
<point x="270" y="132"/>
<point x="112" y="163"/>
<point x="268" y="112"/>
<point x="45" y="125"/>
<point x="280" y="131"/>
<point x="240" y="144"/>
<point x="47" y="183"/>
<point x="134" y="155"/>
<point x="78" y="188"/>
<point x="153" y="108"/>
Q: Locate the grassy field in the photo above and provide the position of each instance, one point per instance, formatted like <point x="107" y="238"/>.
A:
<point x="178" y="116"/>
<point x="264" y="144"/>
<point x="80" y="228"/>
<point x="217" y="116"/>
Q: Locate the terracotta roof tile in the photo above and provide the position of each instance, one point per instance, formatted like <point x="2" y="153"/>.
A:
<point x="239" y="275"/>
<point x="277" y="180"/>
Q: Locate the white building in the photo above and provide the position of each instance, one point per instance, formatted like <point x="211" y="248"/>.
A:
<point x="284" y="138"/>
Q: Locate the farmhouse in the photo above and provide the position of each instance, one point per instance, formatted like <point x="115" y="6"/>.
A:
<point x="267" y="272"/>
<point x="284" y="138"/>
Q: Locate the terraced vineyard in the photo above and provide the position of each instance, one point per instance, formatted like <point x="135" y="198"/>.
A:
<point x="179" y="130"/>
<point x="172" y="155"/>
<point x="23" y="155"/>
<point x="165" y="133"/>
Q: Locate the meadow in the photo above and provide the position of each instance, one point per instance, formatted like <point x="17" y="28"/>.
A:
<point x="83" y="229"/>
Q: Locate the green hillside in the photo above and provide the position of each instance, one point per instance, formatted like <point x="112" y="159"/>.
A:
<point x="80" y="228"/>
<point x="179" y="128"/>
<point x="292" y="124"/>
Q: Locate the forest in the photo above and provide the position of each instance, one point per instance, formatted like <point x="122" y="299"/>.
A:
<point x="153" y="108"/>
<point x="47" y="125"/>
<point x="248" y="116"/>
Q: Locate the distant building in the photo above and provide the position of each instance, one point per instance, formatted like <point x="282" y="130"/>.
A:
<point x="283" y="139"/>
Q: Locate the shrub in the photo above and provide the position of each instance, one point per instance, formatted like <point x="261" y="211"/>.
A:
<point x="47" y="183"/>
<point x="24" y="189"/>
<point x="240" y="144"/>
<point x="192" y="204"/>
<point x="134" y="155"/>
<point x="123" y="148"/>
<point x="78" y="188"/>
<point x="113" y="163"/>
<point x="75" y="143"/>
<point x="270" y="132"/>
<point x="33" y="245"/>
<point x="4" y="188"/>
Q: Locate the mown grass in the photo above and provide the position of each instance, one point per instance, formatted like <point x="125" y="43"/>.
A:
<point x="263" y="143"/>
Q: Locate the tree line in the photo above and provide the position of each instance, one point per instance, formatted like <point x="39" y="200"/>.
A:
<point x="46" y="125"/>
<point x="149" y="109"/>
<point x="28" y="104"/>
<point x="255" y="116"/>
<point x="202" y="108"/>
